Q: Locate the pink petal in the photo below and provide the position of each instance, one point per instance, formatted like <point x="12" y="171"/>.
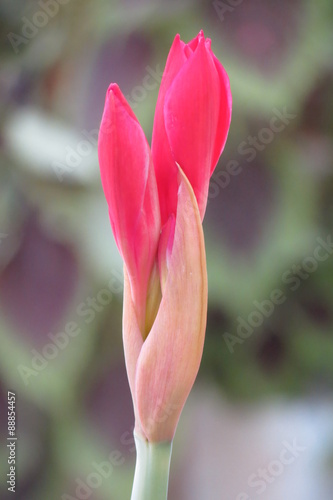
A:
<point x="191" y="114"/>
<point x="171" y="355"/>
<point x="224" y="113"/>
<point x="192" y="44"/>
<point x="164" y="163"/>
<point x="129" y="184"/>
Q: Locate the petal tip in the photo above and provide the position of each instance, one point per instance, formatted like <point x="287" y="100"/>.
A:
<point x="113" y="88"/>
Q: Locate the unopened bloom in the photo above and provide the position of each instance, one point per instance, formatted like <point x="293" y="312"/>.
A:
<point x="156" y="203"/>
<point x="129" y="184"/>
<point x="192" y="119"/>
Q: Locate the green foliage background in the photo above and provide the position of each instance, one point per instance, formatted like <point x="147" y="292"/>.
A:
<point x="56" y="249"/>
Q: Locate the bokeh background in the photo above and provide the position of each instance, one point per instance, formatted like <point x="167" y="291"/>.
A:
<point x="261" y="388"/>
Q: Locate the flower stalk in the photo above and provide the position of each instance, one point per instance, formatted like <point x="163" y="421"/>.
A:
<point x="152" y="468"/>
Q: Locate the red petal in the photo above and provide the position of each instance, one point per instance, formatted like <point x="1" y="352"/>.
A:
<point x="224" y="113"/>
<point x="130" y="188"/>
<point x="164" y="164"/>
<point x="191" y="114"/>
<point x="194" y="42"/>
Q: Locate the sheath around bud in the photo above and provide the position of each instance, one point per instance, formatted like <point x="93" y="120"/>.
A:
<point x="163" y="367"/>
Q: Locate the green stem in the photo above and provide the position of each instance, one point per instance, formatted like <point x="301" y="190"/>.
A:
<point x="152" y="470"/>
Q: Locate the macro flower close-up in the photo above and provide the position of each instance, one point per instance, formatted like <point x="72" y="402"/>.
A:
<point x="166" y="250"/>
<point x="157" y="200"/>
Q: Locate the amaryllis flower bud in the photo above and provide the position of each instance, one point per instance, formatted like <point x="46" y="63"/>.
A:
<point x="192" y="119"/>
<point x="130" y="189"/>
<point x="156" y="203"/>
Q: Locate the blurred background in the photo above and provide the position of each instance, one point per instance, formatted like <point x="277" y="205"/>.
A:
<point x="264" y="390"/>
